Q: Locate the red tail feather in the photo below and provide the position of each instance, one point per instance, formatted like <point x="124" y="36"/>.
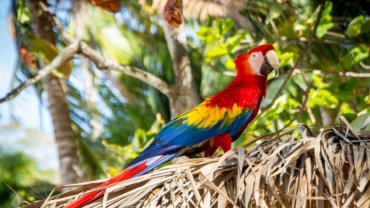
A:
<point x="124" y="175"/>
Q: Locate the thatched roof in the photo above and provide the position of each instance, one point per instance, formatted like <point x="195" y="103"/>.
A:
<point x="294" y="169"/>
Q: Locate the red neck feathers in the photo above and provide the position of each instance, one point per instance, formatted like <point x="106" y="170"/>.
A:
<point x="246" y="78"/>
<point x="250" y="81"/>
<point x="236" y="91"/>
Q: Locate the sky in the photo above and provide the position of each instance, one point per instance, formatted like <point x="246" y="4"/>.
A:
<point x="24" y="108"/>
<point x="25" y="125"/>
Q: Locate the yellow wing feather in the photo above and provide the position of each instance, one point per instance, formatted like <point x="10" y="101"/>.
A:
<point x="204" y="116"/>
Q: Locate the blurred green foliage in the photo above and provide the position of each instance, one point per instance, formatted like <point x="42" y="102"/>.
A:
<point x="132" y="112"/>
<point x="15" y="171"/>
<point x="20" y="180"/>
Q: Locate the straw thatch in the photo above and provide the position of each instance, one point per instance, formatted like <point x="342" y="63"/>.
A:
<point x="201" y="9"/>
<point x="293" y="169"/>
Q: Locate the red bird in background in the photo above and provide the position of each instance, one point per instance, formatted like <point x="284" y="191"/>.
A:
<point x="216" y="122"/>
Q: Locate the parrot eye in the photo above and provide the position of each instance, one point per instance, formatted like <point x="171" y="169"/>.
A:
<point x="254" y="55"/>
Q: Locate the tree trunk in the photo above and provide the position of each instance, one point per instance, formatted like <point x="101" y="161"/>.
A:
<point x="328" y="115"/>
<point x="184" y="94"/>
<point x="64" y="135"/>
<point x="239" y="19"/>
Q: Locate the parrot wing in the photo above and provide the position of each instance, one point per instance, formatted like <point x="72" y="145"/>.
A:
<point x="195" y="126"/>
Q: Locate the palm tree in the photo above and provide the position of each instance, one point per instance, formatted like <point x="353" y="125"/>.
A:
<point x="58" y="105"/>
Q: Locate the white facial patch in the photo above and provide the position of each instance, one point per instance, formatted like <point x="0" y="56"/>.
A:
<point x="255" y="62"/>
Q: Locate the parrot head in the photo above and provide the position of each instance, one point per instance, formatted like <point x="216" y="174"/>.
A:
<point x="259" y="61"/>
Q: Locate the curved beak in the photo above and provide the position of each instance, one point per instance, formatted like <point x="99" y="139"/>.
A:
<point x="270" y="63"/>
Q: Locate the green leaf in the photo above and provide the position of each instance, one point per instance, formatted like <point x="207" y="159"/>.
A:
<point x="323" y="28"/>
<point x="272" y="90"/>
<point x="218" y="27"/>
<point x="23" y="13"/>
<point x="275" y="11"/>
<point x="360" y="122"/>
<point x="229" y="64"/>
<point x="234" y="41"/>
<point x="318" y="81"/>
<point x="355" y="55"/>
<point x="345" y="108"/>
<point x="227" y="25"/>
<point x="366" y="26"/>
<point x="203" y="33"/>
<point x="325" y="21"/>
<point x="286" y="58"/>
<point x="292" y="89"/>
<point x="349" y="85"/>
<point x="354" y="27"/>
<point x="47" y="52"/>
<point x="327" y="10"/>
<point x="322" y="97"/>
<point x="215" y="50"/>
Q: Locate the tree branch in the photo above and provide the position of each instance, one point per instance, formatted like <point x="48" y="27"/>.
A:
<point x="355" y="74"/>
<point x="107" y="64"/>
<point x="104" y="63"/>
<point x="365" y="66"/>
<point x="63" y="57"/>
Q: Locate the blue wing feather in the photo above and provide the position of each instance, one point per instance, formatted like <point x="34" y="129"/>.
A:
<point x="181" y="134"/>
<point x="239" y="123"/>
<point x="154" y="149"/>
<point x="177" y="134"/>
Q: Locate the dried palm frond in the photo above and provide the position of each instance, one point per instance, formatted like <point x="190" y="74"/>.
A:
<point x="201" y="9"/>
<point x="331" y="169"/>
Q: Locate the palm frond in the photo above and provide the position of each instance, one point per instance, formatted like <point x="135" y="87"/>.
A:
<point x="330" y="169"/>
<point x="195" y="9"/>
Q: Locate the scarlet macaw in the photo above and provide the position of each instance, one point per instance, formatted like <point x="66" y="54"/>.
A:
<point x="216" y="122"/>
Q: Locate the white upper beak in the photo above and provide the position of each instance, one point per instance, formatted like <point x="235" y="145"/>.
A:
<point x="273" y="59"/>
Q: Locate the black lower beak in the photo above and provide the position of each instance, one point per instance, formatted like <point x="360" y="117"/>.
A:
<point x="266" y="68"/>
